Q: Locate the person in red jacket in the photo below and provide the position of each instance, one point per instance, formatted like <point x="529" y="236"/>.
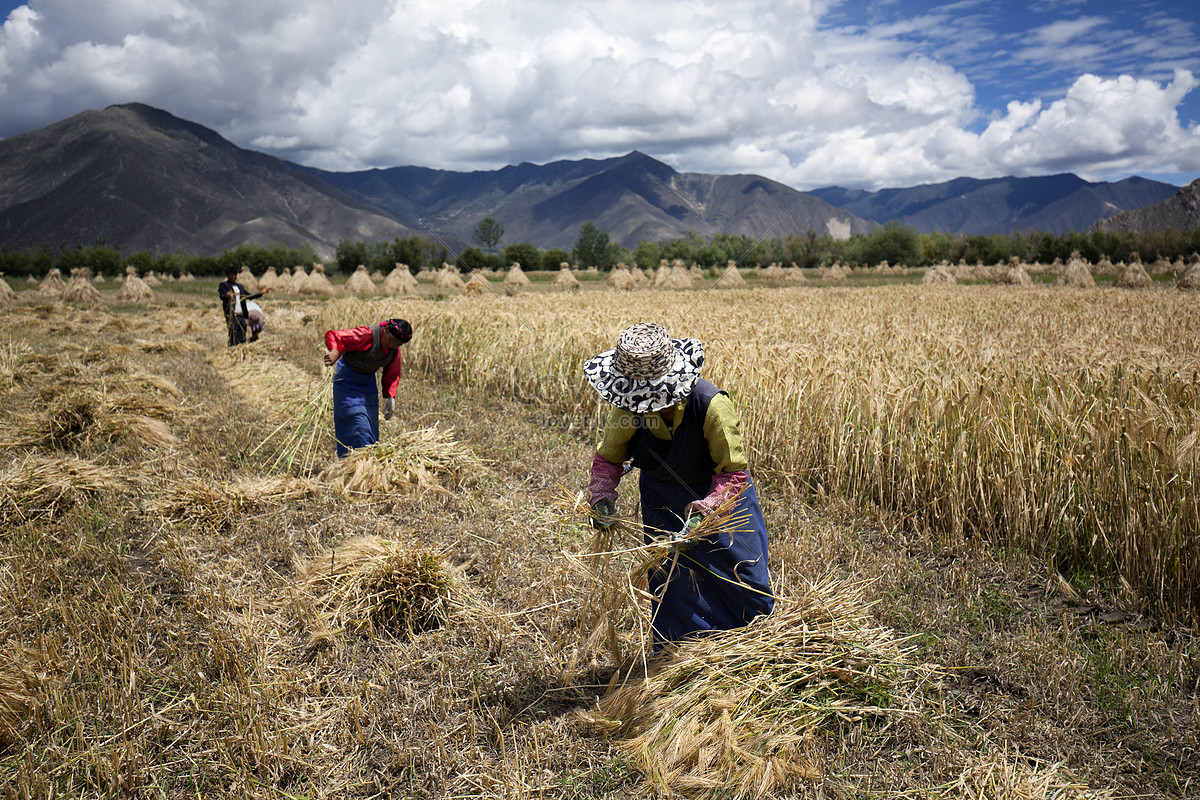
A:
<point x="359" y="353"/>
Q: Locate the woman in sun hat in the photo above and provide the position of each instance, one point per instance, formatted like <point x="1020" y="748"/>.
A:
<point x="684" y="434"/>
<point x="359" y="353"/>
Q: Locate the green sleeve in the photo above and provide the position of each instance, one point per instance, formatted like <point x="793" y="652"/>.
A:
<point x="723" y="430"/>
<point x="618" y="430"/>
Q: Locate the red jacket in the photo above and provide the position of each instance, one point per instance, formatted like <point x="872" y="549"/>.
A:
<point x="360" y="339"/>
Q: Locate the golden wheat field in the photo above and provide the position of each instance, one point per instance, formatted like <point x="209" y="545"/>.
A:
<point x="981" y="503"/>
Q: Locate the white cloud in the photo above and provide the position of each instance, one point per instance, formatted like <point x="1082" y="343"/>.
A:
<point x="737" y="86"/>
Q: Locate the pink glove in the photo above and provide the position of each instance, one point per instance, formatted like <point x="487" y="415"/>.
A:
<point x="724" y="485"/>
<point x="605" y="476"/>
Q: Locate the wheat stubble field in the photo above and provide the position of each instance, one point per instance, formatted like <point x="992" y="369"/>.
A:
<point x="981" y="500"/>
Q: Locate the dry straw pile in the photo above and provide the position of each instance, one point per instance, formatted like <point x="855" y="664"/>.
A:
<point x="1075" y="274"/>
<point x="80" y="290"/>
<point x="738" y="713"/>
<point x="134" y="289"/>
<point x="371" y="585"/>
<point x="40" y="487"/>
<point x="448" y="278"/>
<point x="1134" y="276"/>
<point x="477" y="285"/>
<point x="938" y="276"/>
<point x="400" y="281"/>
<point x="516" y="279"/>
<point x="565" y="279"/>
<point x="412" y="460"/>
<point x="315" y="284"/>
<point x="360" y="283"/>
<point x="7" y="295"/>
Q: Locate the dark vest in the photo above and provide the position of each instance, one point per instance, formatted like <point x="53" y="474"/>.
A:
<point x="368" y="362"/>
<point x="682" y="460"/>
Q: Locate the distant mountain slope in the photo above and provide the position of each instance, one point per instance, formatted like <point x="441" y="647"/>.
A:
<point x="633" y="197"/>
<point x="1182" y="211"/>
<point x="1053" y="203"/>
<point x="139" y="178"/>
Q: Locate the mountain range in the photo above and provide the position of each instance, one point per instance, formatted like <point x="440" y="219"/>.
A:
<point x="1052" y="203"/>
<point x="139" y="178"/>
<point x="1180" y="211"/>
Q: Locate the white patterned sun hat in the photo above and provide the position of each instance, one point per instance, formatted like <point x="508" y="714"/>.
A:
<point x="647" y="370"/>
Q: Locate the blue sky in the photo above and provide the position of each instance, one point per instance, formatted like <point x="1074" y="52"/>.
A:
<point x="810" y="93"/>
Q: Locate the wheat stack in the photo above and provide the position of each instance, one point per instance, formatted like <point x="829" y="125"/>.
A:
<point x="477" y="284"/>
<point x="1015" y="274"/>
<point x="1134" y="276"/>
<point x="134" y="289"/>
<point x="414" y="460"/>
<point x="37" y="487"/>
<point x="1105" y="265"/>
<point x="400" y="282"/>
<point x="735" y="713"/>
<point x="79" y="289"/>
<point x="377" y="276"/>
<point x="152" y="280"/>
<point x="370" y="584"/>
<point x="938" y="276"/>
<point x="794" y="274"/>
<point x="220" y="505"/>
<point x="269" y="280"/>
<point x="697" y="274"/>
<point x="620" y="279"/>
<point x="1189" y="280"/>
<point x="51" y="287"/>
<point x="515" y="279"/>
<point x="360" y="284"/>
<point x="675" y="276"/>
<point x="1076" y="274"/>
<point x="772" y="274"/>
<point x="731" y="276"/>
<point x="448" y="278"/>
<point x="7" y="295"/>
<point x="98" y="279"/>
<point x="314" y="284"/>
<point x="565" y="280"/>
<point x="283" y="282"/>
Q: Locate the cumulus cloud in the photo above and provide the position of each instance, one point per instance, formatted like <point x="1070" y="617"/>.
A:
<point x="791" y="91"/>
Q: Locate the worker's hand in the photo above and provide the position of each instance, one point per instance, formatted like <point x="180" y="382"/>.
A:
<point x="602" y="516"/>
<point x="264" y="291"/>
<point x="684" y="536"/>
<point x="389" y="408"/>
<point x="331" y="357"/>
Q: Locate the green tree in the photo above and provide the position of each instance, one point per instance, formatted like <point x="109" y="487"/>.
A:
<point x="893" y="243"/>
<point x="552" y="258"/>
<point x="488" y="233"/>
<point x="591" y="248"/>
<point x="524" y="253"/>
<point x="472" y="258"/>
<point x="350" y="255"/>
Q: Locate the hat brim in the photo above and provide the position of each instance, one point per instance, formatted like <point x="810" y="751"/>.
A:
<point x="643" y="396"/>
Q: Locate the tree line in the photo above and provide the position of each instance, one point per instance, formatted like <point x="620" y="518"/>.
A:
<point x="893" y="243"/>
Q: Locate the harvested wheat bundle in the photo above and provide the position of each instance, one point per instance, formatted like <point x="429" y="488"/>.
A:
<point x="697" y="274"/>
<point x="414" y="460"/>
<point x="1014" y="274"/>
<point x="36" y="487"/>
<point x="152" y="280"/>
<point x="620" y="279"/>
<point x="315" y="284"/>
<point x="448" y="278"/>
<point x="377" y="276"/>
<point x="1076" y="274"/>
<point x="283" y="282"/>
<point x="302" y="439"/>
<point x="220" y="504"/>
<point x="359" y="284"/>
<point x="52" y="285"/>
<point x="675" y="276"/>
<point x="1105" y="266"/>
<point x="794" y="274"/>
<point x="134" y="289"/>
<point x="7" y="294"/>
<point x="99" y="279"/>
<point x="773" y="273"/>
<point x="400" y="281"/>
<point x="269" y="280"/>
<point x="516" y="278"/>
<point x="565" y="280"/>
<point x="731" y="276"/>
<point x="477" y="284"/>
<point x="1190" y="279"/>
<point x="372" y="584"/>
<point x="733" y="714"/>
<point x="90" y="415"/>
<point x="1134" y="276"/>
<point x="79" y="289"/>
<point x="938" y="276"/>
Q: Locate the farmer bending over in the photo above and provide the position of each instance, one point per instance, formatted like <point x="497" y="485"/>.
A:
<point x="233" y="303"/>
<point x="359" y="353"/>
<point x="684" y="434"/>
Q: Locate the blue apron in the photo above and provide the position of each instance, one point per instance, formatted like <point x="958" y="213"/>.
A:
<point x="355" y="409"/>
<point x="715" y="584"/>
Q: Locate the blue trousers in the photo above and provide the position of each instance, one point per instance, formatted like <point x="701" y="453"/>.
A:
<point x="355" y="409"/>
<point x="717" y="583"/>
